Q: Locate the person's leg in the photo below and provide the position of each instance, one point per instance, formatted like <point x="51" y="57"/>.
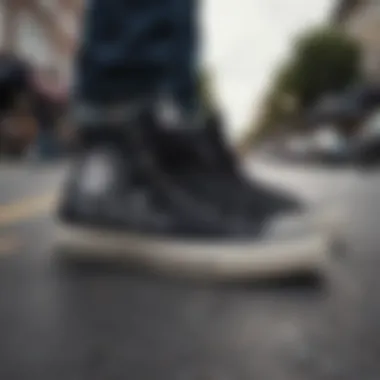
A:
<point x="184" y="72"/>
<point x="126" y="50"/>
<point x="132" y="50"/>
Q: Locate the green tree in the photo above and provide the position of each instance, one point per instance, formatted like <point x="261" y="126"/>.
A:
<point x="323" y="61"/>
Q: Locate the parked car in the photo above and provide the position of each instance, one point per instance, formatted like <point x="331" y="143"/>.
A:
<point x="330" y="148"/>
<point x="367" y="144"/>
<point x="296" y="148"/>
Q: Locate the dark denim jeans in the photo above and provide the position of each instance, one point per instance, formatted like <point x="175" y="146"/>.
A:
<point x="134" y="48"/>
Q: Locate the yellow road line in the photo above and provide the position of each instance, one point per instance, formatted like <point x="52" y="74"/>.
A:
<point x="8" y="244"/>
<point x="25" y="209"/>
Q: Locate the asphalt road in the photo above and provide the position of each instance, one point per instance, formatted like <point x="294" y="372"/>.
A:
<point x="115" y="324"/>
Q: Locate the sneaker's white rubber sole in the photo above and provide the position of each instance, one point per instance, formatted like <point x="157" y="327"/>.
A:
<point x="218" y="259"/>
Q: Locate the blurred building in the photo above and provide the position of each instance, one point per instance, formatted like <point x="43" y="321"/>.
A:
<point x="361" y="19"/>
<point x="43" y="31"/>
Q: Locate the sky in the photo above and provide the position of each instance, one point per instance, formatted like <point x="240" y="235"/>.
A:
<point x="245" y="40"/>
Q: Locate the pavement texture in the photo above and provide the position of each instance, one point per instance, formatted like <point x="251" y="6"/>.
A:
<point x="115" y="323"/>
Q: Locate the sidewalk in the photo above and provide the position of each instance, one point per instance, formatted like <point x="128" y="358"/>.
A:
<point x="313" y="183"/>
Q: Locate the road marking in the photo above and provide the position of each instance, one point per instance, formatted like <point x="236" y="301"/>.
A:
<point x="25" y="209"/>
<point x="9" y="244"/>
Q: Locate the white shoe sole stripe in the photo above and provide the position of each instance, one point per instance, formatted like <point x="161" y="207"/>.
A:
<point x="198" y="258"/>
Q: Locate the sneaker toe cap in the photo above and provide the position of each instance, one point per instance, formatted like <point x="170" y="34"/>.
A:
<point x="290" y="227"/>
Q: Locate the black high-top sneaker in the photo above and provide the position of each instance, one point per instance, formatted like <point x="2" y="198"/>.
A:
<point x="239" y="190"/>
<point x="198" y="158"/>
<point x="124" y="199"/>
